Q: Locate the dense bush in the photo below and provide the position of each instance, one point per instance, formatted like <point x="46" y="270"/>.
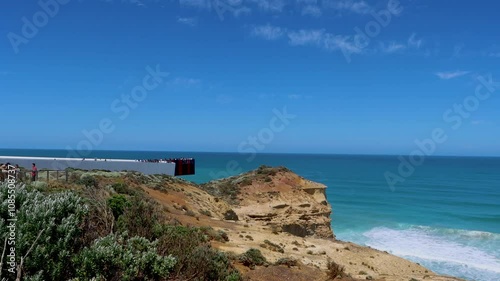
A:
<point x="140" y="217"/>
<point x="55" y="220"/>
<point x="287" y="261"/>
<point x="117" y="204"/>
<point x="118" y="258"/>
<point x="252" y="257"/>
<point x="195" y="258"/>
<point x="122" y="188"/>
<point x="87" y="180"/>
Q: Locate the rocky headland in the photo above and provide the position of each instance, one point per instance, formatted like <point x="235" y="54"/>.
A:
<point x="286" y="217"/>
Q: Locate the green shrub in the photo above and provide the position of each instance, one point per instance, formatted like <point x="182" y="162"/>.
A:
<point x="196" y="260"/>
<point x="117" y="204"/>
<point x="87" y="180"/>
<point x="140" y="217"/>
<point x="252" y="257"/>
<point x="286" y="261"/>
<point x="53" y="218"/>
<point x="118" y="258"/>
<point x="122" y="188"/>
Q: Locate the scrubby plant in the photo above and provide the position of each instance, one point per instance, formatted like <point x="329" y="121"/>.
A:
<point x="122" y="188"/>
<point x="48" y="224"/>
<point x="286" y="261"/>
<point x="196" y="260"/>
<point x="120" y="258"/>
<point x="334" y="269"/>
<point x="118" y="204"/>
<point x="140" y="217"/>
<point x="272" y="246"/>
<point x="252" y="257"/>
<point x="87" y="180"/>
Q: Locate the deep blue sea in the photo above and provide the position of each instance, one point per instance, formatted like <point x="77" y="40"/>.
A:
<point x="446" y="215"/>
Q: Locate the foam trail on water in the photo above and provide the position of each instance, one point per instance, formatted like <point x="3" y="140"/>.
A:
<point x="469" y="254"/>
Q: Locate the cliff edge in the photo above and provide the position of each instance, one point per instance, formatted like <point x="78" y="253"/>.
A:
<point x="287" y="218"/>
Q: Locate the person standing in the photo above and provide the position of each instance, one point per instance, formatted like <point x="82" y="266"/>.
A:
<point x="34" y="172"/>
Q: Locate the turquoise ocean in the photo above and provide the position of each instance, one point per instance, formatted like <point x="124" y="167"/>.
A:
<point x="446" y="216"/>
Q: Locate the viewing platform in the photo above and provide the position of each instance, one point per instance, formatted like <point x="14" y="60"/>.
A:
<point x="172" y="167"/>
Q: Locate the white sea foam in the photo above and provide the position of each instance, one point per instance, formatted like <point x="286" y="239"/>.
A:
<point x="446" y="251"/>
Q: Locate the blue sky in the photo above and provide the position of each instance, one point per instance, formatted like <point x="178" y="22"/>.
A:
<point x="358" y="76"/>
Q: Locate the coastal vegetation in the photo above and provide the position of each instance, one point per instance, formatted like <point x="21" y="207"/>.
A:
<point x="90" y="230"/>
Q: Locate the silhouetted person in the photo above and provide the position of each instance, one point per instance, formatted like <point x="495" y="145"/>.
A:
<point x="34" y="172"/>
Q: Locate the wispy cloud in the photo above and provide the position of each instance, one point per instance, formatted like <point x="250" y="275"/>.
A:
<point x="496" y="55"/>
<point x="188" y="21"/>
<point x="354" y="6"/>
<point x="268" y="32"/>
<point x="451" y="74"/>
<point x="306" y="37"/>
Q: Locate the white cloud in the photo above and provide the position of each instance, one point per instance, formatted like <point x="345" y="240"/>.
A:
<point x="294" y="97"/>
<point x="413" y="42"/>
<point x="496" y="55"/>
<point x="308" y="37"/>
<point x="267" y="32"/>
<point x="451" y="74"/>
<point x="188" y="21"/>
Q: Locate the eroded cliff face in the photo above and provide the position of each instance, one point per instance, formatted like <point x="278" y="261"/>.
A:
<point x="279" y="199"/>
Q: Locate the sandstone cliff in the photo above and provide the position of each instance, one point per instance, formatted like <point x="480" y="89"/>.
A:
<point x="284" y="216"/>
